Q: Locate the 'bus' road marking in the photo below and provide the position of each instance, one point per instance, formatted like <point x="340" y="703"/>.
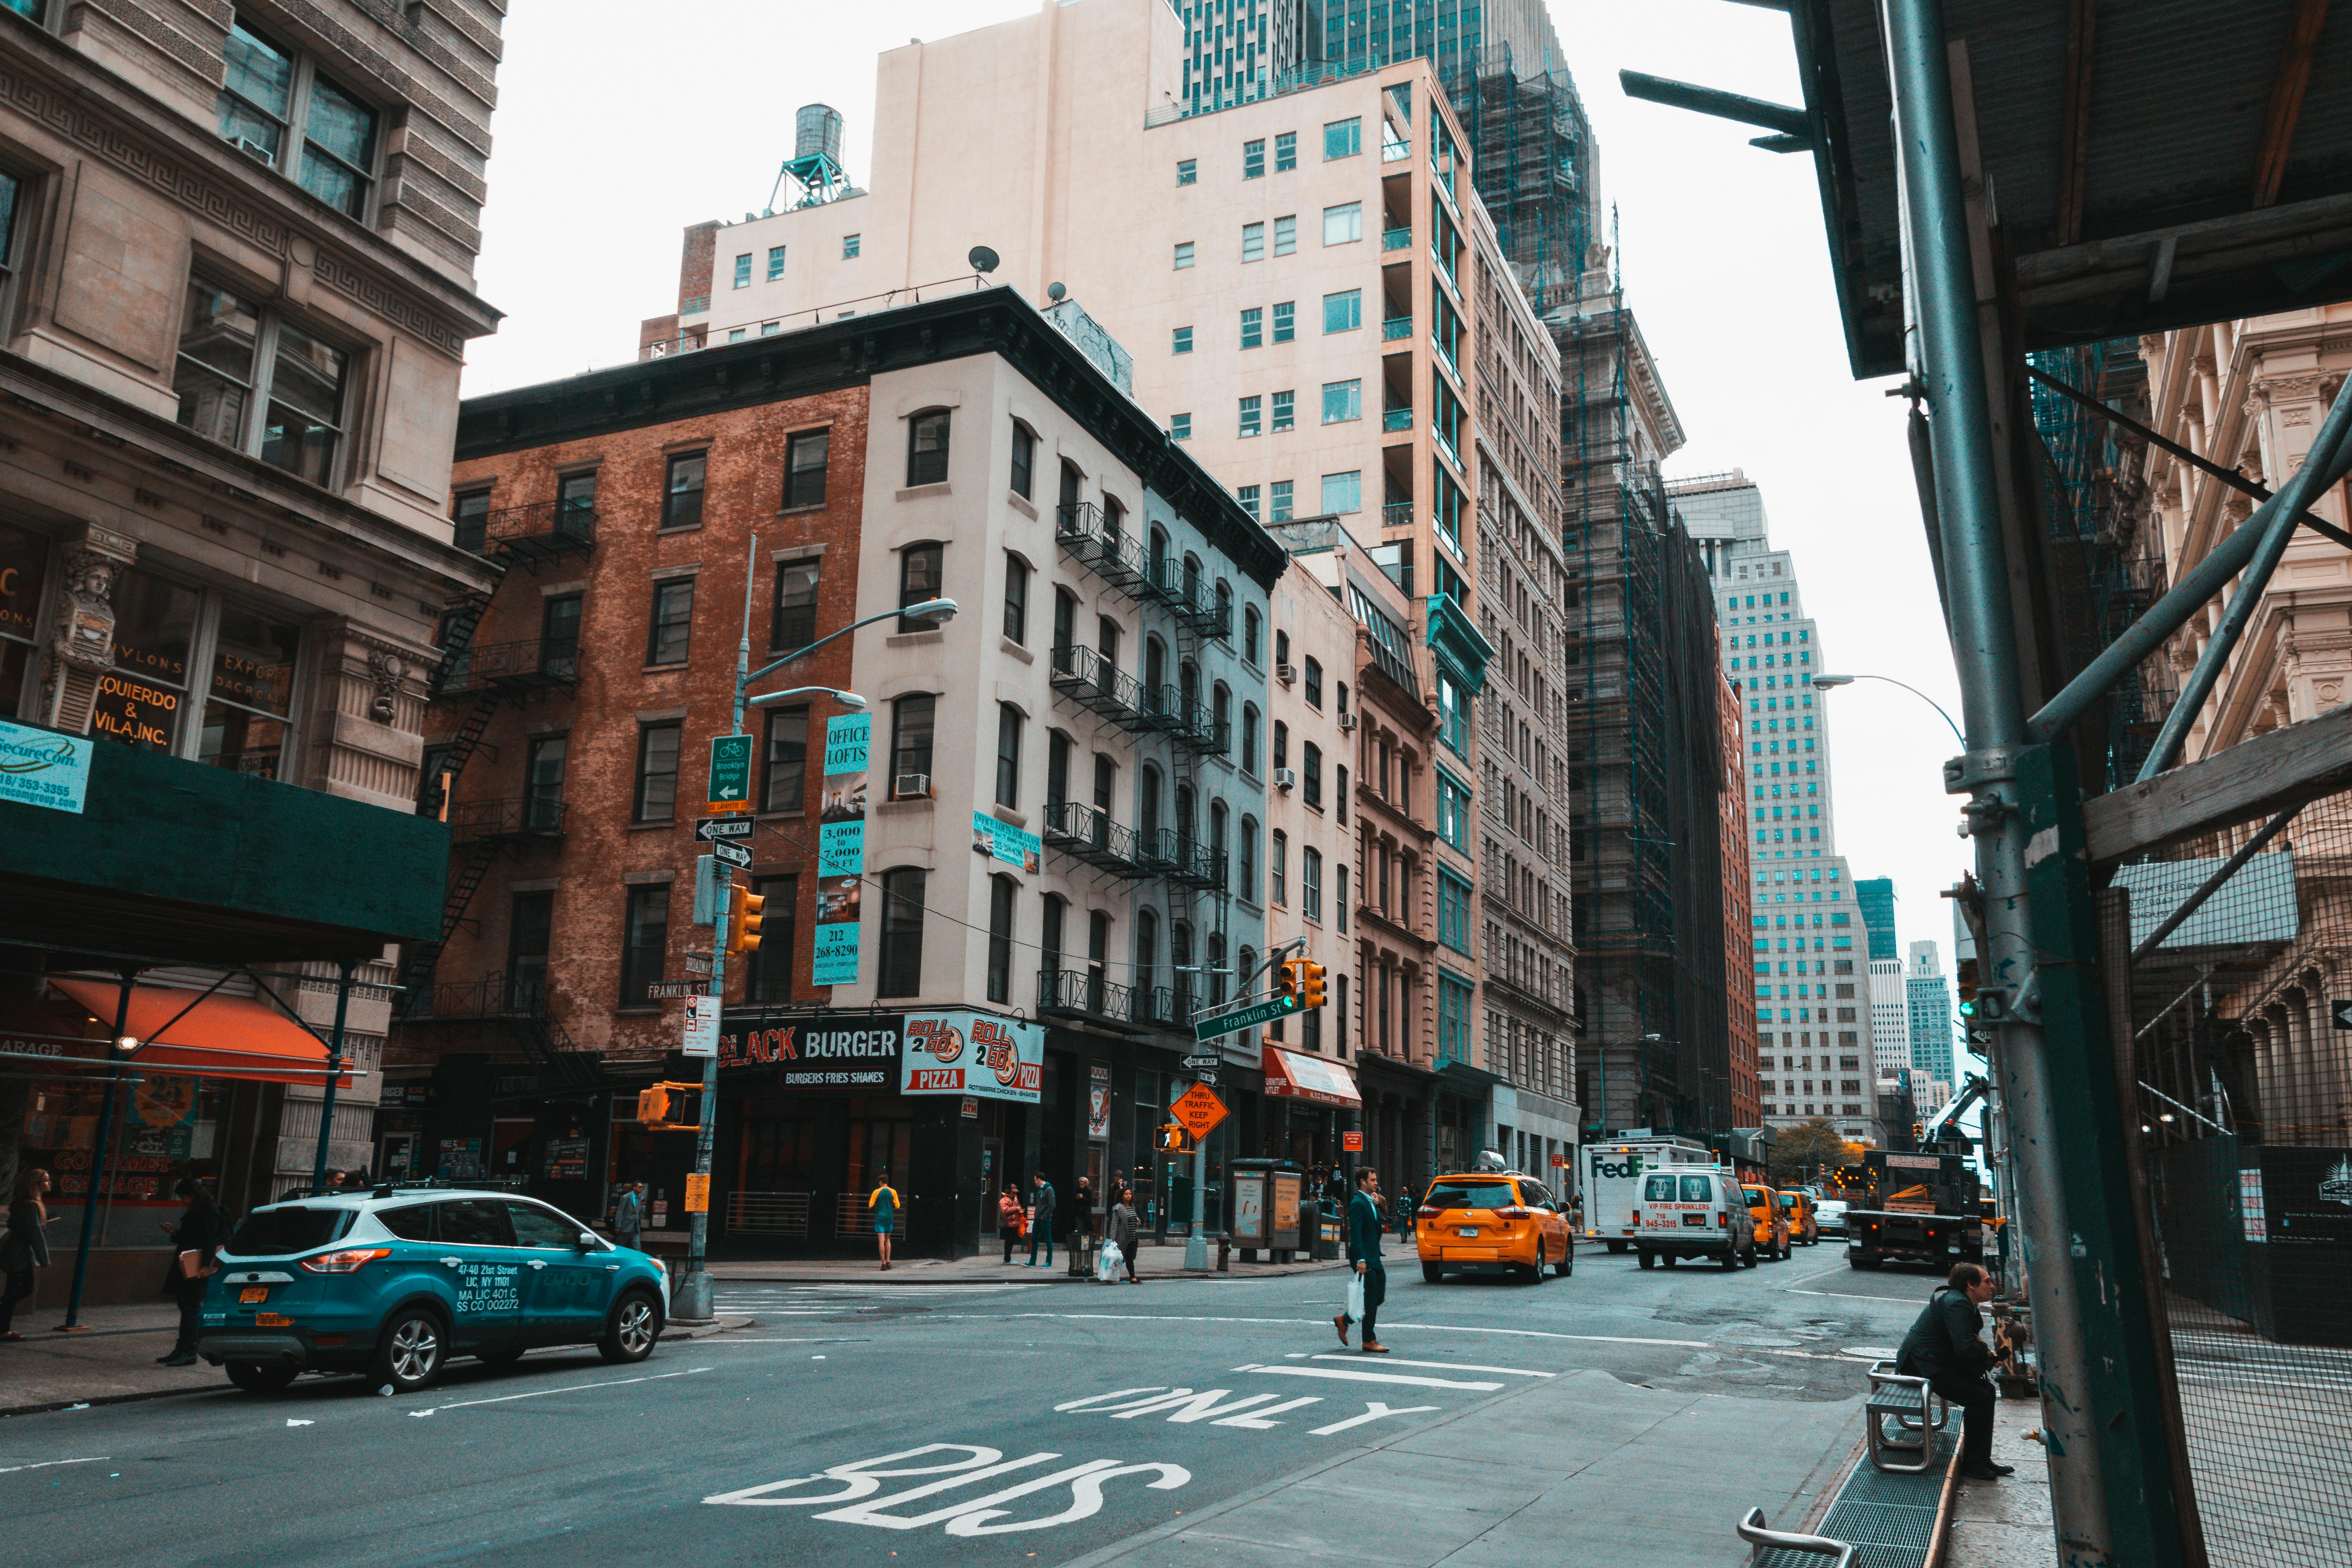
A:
<point x="567" y="1388"/>
<point x="45" y="1464"/>
<point x="1335" y="1372"/>
<point x="1444" y="1365"/>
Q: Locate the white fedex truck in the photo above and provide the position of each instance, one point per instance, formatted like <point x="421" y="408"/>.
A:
<point x="1613" y="1169"/>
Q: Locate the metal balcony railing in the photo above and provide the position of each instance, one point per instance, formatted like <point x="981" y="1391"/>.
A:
<point x="538" y="532"/>
<point x="1395" y="327"/>
<point x="1396" y="240"/>
<point x="1395" y="152"/>
<point x="494" y="996"/>
<point x="1183" y="593"/>
<point x="1117" y="559"/>
<point x="1177" y="856"/>
<point x="1396" y="514"/>
<point x="530" y="664"/>
<point x="1395" y="419"/>
<point x="1100" y="687"/>
<point x="1088" y="833"/>
<point x="531" y="816"/>
<point x="1084" y="992"/>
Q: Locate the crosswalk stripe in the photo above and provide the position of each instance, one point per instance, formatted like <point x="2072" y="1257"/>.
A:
<point x="1336" y="1374"/>
<point x="1447" y="1366"/>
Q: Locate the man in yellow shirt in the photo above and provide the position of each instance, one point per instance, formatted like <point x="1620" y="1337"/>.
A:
<point x="883" y="1201"/>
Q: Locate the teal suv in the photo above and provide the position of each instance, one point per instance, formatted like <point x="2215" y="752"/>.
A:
<point x="396" y="1281"/>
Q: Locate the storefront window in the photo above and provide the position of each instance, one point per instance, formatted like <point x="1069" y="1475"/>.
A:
<point x="252" y="693"/>
<point x="141" y="698"/>
<point x="24" y="561"/>
<point x="173" y="1122"/>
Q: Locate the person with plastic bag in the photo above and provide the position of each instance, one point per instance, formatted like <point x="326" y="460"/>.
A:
<point x="1121" y="1230"/>
<point x="1012" y="1219"/>
<point x="1369" y="1286"/>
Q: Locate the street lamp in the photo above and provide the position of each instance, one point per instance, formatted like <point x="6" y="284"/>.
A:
<point x="849" y="699"/>
<point x="1826" y="681"/>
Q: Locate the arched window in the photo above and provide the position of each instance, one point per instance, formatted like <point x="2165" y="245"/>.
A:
<point x="1155" y="671"/>
<point x="927" y="448"/>
<point x="1253" y="626"/>
<point x="1243" y="961"/>
<point x="1188" y="678"/>
<point x="1216" y="968"/>
<point x="1224" y="608"/>
<point x="1221" y="715"/>
<point x="1001" y="891"/>
<point x="1185" y="821"/>
<point x="1245" y="846"/>
<point x="1156" y="559"/>
<point x="1066" y="626"/>
<point x="1180" y="965"/>
<point x="1282" y="648"/>
<point x="1249" y="739"/>
<point x="1192" y="577"/>
<point x="1147" y="806"/>
<point x="1024" y="459"/>
<point x="1147" y="960"/>
<point x="921" y="569"/>
<point x="1217" y="842"/>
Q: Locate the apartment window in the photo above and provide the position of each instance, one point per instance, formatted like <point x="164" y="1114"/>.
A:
<point x="911" y="720"/>
<point x="667" y="632"/>
<point x="1023" y="475"/>
<point x="682" y="494"/>
<point x="737" y="335"/>
<point x="792" y="624"/>
<point x="900" y="972"/>
<point x="657" y="795"/>
<point x="1252" y="630"/>
<point x="1453" y="1019"/>
<point x="266" y="89"/>
<point x="849" y="246"/>
<point x="1344" y="311"/>
<point x="1000" y="938"/>
<point x="1253" y="327"/>
<point x="1278" y="868"/>
<point x="1453" y="811"/>
<point x="1343" y="492"/>
<point x="250" y="379"/>
<point x="775" y="270"/>
<point x="1017" y="598"/>
<point x="542" y="775"/>
<point x="1249" y="738"/>
<point x="1183" y="255"/>
<point x="1285" y="151"/>
<point x="1342" y="401"/>
<point x="558" y="635"/>
<point x="1314" y="683"/>
<point x="1452" y="911"/>
<point x="1343" y="139"/>
<point x="1248" y="496"/>
<point x="1180" y="427"/>
<point x="644" y="942"/>
<point x="1253" y="159"/>
<point x="1285" y="411"/>
<point x="805" y="460"/>
<point x="1281" y="729"/>
<point x="1246" y="848"/>
<point x="926" y="448"/>
<point x="1286" y="235"/>
<point x="768" y="330"/>
<point x="1310" y="774"/>
<point x="1254" y="242"/>
<point x="1187" y="171"/>
<point x="1183" y="343"/>
<point x="921" y="567"/>
<point x="1250" y="414"/>
<point x="469" y="516"/>
<point x="1339" y="907"/>
<point x="743" y="274"/>
<point x="1453" y="715"/>
<point x="1285" y="320"/>
<point x="784" y="780"/>
<point x="1342" y="224"/>
<point x="1008" y="757"/>
<point x="1278" y="495"/>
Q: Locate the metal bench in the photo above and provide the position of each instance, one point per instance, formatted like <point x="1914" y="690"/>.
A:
<point x="1918" y="1413"/>
<point x="1753" y="1531"/>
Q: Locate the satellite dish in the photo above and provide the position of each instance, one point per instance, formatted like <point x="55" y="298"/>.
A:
<point x="1054" y="292"/>
<point x="982" y="259"/>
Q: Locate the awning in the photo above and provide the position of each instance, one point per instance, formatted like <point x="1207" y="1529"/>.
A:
<point x="1324" y="1081"/>
<point x="219" y="1036"/>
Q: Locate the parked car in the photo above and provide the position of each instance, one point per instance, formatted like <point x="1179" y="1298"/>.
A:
<point x="1772" y="1225"/>
<point x="1695" y="1213"/>
<point x="396" y="1281"/>
<point x="1493" y="1222"/>
<point x="1799" y="1205"/>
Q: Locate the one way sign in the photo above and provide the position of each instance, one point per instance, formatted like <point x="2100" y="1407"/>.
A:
<point x="2342" y="1011"/>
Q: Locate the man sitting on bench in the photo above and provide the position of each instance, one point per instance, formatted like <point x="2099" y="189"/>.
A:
<point x="1944" y="1346"/>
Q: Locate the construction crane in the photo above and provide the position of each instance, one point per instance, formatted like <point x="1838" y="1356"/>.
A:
<point x="1949" y="1117"/>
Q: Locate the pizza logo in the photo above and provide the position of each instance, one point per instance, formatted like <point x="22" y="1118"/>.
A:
<point x="937" y="1035"/>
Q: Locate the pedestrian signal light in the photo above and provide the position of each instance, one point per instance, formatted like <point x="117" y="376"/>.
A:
<point x="670" y="1108"/>
<point x="1171" y="1137"/>
<point x="743" y="907"/>
<point x="652" y="1104"/>
<point x="1968" y="987"/>
<point x="1310" y="984"/>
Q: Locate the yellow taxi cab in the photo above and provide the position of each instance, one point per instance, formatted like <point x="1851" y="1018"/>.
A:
<point x="1493" y="1222"/>
<point x="1771" y="1223"/>
<point x="1804" y="1223"/>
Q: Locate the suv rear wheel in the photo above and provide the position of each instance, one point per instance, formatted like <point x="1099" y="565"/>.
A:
<point x="1567" y="1268"/>
<point x="1649" y="1258"/>
<point x="1432" y="1273"/>
<point x="632" y="1328"/>
<point x="1535" y="1274"/>
<point x="411" y="1351"/>
<point x="262" y="1377"/>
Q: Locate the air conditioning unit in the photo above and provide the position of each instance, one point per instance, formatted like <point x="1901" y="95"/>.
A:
<point x="1346" y="723"/>
<point x="1285" y="778"/>
<point x="912" y="786"/>
<point x="1285" y="673"/>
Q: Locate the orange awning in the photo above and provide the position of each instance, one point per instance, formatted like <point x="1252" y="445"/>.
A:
<point x="219" y="1036"/>
<point x="1318" y="1079"/>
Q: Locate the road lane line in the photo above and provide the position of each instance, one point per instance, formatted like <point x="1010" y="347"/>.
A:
<point x="1431" y="1328"/>
<point x="1444" y="1366"/>
<point x="1374" y="1414"/>
<point x="47" y="1464"/>
<point x="1335" y="1372"/>
<point x="567" y="1388"/>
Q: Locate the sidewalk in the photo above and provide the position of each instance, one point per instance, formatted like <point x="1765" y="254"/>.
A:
<point x="115" y="1362"/>
<point x="1628" y="1474"/>
<point x="2007" y="1523"/>
<point x="1151" y="1263"/>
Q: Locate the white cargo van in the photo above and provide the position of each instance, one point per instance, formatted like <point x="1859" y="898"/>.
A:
<point x="1688" y="1212"/>
<point x="1613" y="1183"/>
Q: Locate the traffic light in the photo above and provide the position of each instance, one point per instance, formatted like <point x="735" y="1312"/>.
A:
<point x="670" y="1108"/>
<point x="743" y="907"/>
<point x="1310" y="984"/>
<point x="1968" y="987"/>
<point x="1171" y="1137"/>
<point x="1285" y="985"/>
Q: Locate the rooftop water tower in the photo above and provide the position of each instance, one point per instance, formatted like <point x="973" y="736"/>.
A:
<point x="815" y="162"/>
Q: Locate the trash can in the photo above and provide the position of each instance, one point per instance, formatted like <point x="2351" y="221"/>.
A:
<point x="1310" y="1227"/>
<point x="1262" y="1205"/>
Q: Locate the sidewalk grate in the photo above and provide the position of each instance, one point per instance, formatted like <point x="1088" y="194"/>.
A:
<point x="1888" y="1517"/>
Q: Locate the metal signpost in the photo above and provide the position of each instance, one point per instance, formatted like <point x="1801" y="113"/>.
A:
<point x="1199" y="1112"/>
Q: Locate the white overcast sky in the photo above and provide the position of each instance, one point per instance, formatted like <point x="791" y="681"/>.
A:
<point x="606" y="147"/>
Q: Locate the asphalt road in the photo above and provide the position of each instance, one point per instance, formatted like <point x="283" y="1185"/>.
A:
<point x="991" y="1424"/>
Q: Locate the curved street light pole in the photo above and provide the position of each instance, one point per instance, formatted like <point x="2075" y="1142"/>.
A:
<point x="1826" y="681"/>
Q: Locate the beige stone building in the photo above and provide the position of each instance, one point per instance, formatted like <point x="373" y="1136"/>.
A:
<point x="237" y="282"/>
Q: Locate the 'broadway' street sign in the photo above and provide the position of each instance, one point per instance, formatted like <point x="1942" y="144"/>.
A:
<point x="1216" y="1024"/>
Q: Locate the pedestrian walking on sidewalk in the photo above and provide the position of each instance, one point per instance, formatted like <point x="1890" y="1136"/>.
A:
<point x="1944" y="1346"/>
<point x="24" y="1251"/>
<point x="1008" y="1218"/>
<point x="1125" y="1226"/>
<point x="1364" y="1253"/>
<point x="629" y="1215"/>
<point x="195" y="1235"/>
<point x="883" y="1201"/>
<point x="1041" y="1225"/>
